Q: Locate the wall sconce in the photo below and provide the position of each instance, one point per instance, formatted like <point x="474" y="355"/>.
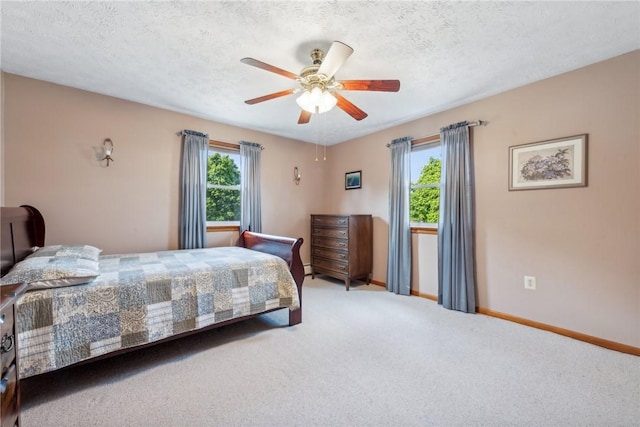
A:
<point x="296" y="175"/>
<point x="107" y="146"/>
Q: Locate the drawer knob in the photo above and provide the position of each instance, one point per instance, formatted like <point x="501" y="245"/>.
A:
<point x="6" y="345"/>
<point x="2" y="319"/>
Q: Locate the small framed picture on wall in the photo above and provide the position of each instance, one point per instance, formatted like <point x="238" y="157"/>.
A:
<point x="353" y="180"/>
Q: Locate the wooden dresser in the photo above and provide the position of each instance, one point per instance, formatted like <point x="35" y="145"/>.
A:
<point x="342" y="247"/>
<point x="10" y="382"/>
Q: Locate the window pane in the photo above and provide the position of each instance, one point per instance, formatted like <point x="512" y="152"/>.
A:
<point x="424" y="205"/>
<point x="420" y="157"/>
<point x="223" y="169"/>
<point x="424" y="199"/>
<point x="223" y="204"/>
<point x="223" y="182"/>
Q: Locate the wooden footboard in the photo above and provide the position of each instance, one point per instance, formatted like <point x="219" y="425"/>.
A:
<point x="287" y="249"/>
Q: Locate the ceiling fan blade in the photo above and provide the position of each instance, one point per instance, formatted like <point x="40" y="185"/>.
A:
<point x="349" y="108"/>
<point x="305" y="116"/>
<point x="335" y="58"/>
<point x="378" y="85"/>
<point x="270" y="96"/>
<point x="265" y="66"/>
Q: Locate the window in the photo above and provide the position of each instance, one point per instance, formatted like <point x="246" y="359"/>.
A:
<point x="424" y="197"/>
<point x="223" y="186"/>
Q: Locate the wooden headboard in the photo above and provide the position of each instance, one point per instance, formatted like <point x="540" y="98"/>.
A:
<point x="22" y="229"/>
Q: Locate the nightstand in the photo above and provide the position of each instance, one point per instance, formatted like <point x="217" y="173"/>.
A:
<point x="10" y="382"/>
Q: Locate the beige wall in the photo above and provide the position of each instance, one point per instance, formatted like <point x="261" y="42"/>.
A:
<point x="53" y="142"/>
<point x="581" y="244"/>
<point x="1" y="138"/>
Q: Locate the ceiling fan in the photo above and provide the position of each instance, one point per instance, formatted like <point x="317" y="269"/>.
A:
<point x="318" y="85"/>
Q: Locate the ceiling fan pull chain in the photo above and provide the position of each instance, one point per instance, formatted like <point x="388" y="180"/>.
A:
<point x="316" y="125"/>
<point x="324" y="132"/>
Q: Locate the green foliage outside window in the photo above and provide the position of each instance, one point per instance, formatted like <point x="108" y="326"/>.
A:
<point x="424" y="202"/>
<point x="223" y="204"/>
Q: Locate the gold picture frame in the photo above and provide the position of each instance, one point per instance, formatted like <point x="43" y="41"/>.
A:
<point x="555" y="163"/>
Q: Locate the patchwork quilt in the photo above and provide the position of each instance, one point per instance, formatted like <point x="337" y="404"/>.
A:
<point x="145" y="297"/>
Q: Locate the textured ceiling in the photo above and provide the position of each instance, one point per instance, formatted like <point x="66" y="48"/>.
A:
<point x="185" y="56"/>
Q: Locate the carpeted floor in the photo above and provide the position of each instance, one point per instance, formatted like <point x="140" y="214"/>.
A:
<point x="365" y="357"/>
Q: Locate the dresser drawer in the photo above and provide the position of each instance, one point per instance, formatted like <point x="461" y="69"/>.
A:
<point x="330" y="253"/>
<point x="333" y="265"/>
<point x="9" y="398"/>
<point x="329" y="243"/>
<point x="7" y="338"/>
<point x="339" y="233"/>
<point x="330" y="221"/>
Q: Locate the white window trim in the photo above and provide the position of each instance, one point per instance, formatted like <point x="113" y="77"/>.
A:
<point x="223" y="223"/>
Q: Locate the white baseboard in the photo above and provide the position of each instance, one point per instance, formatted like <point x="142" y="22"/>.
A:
<point x="307" y="269"/>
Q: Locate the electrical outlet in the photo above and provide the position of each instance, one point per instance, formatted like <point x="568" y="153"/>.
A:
<point x="530" y="283"/>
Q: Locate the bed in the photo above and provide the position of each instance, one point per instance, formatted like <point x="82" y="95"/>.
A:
<point x="103" y="305"/>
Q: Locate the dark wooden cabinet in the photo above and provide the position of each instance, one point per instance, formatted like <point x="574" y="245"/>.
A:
<point x="10" y="382"/>
<point x="342" y="247"/>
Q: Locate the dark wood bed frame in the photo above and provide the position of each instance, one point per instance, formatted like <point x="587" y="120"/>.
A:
<point x="23" y="228"/>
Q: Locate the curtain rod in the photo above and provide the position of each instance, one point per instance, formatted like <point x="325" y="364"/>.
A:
<point x="221" y="143"/>
<point x="436" y="137"/>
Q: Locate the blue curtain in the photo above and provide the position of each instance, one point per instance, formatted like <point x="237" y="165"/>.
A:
<point x="251" y="203"/>
<point x="399" y="257"/>
<point x="193" y="195"/>
<point x="456" y="270"/>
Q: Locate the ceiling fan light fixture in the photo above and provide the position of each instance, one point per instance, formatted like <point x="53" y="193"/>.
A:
<point x="316" y="101"/>
<point x="320" y="89"/>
